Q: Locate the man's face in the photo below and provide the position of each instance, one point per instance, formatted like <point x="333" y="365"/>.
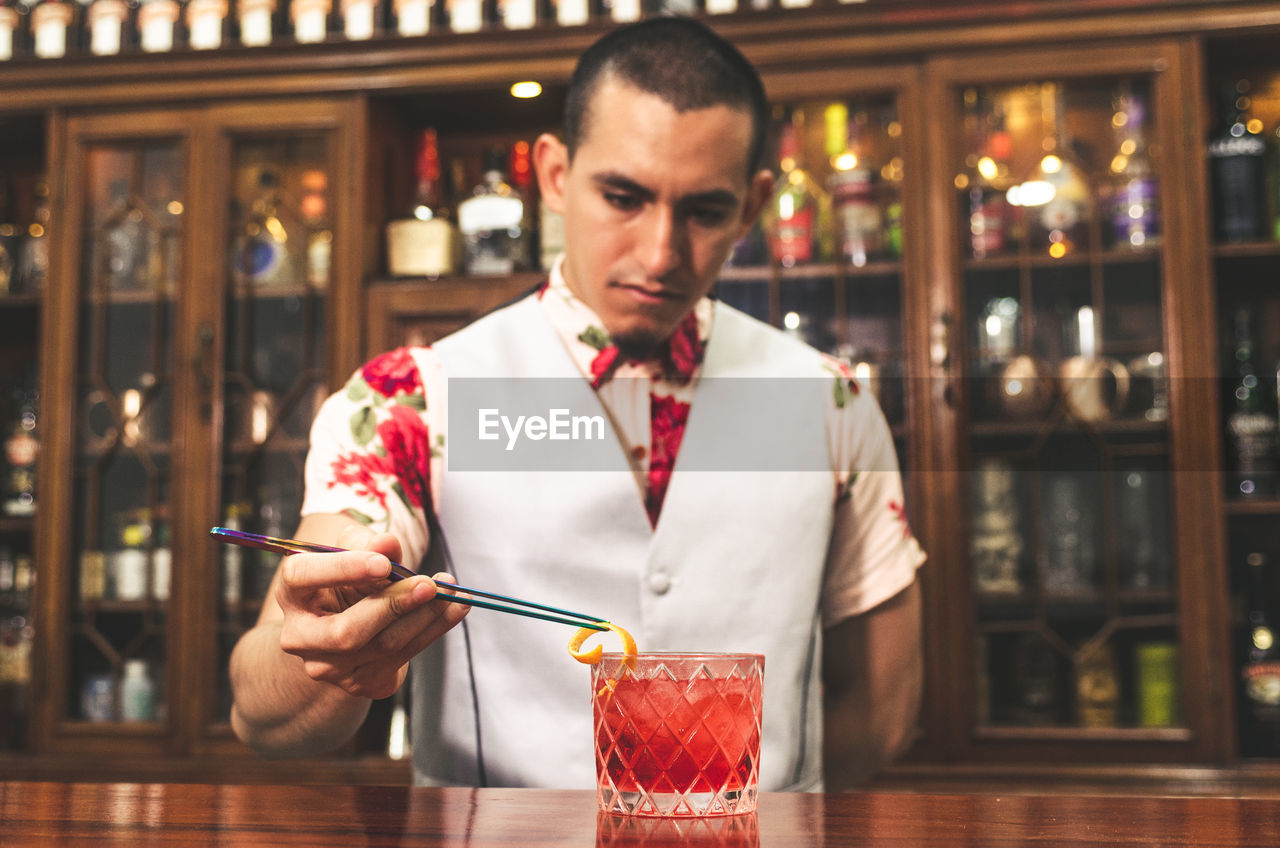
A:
<point x="653" y="202"/>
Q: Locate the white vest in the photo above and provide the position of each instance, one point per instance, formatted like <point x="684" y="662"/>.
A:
<point x="735" y="564"/>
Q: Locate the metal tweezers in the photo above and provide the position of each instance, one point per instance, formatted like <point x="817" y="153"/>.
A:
<point x="515" y="606"/>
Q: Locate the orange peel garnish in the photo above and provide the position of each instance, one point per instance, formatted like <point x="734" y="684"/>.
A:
<point x="592" y="655"/>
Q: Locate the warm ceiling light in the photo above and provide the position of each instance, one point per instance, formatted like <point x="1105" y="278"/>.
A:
<point x="526" y="90"/>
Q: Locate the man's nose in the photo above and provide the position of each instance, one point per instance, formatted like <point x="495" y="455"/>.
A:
<point x="660" y="242"/>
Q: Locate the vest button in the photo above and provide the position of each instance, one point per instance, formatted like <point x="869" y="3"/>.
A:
<point x="659" y="583"/>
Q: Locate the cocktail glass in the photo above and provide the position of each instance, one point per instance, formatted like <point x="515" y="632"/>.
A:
<point x="677" y="734"/>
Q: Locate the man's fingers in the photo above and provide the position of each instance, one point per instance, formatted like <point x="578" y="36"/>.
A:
<point x="352" y="629"/>
<point x="322" y="571"/>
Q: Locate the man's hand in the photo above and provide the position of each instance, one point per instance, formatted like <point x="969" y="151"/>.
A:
<point x="334" y="633"/>
<point x="348" y="624"/>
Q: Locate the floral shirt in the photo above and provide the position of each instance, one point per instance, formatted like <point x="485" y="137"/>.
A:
<point x="378" y="446"/>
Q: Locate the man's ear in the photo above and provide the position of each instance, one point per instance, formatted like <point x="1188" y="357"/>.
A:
<point x="758" y="194"/>
<point x="551" y="162"/>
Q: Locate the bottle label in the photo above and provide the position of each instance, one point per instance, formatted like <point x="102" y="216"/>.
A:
<point x="1134" y="216"/>
<point x="1237" y="183"/>
<point x="793" y="238"/>
<point x="20" y="449"/>
<point x="420" y="248"/>
<point x="1262" y="683"/>
<point x="261" y="259"/>
<point x="857" y="215"/>
<point x="986" y="222"/>
<point x="480" y="214"/>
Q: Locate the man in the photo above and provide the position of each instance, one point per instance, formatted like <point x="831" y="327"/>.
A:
<point x="657" y="177"/>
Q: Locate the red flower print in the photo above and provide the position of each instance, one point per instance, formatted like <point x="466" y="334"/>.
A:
<point x="685" y="350"/>
<point x="602" y="366"/>
<point x="900" y="513"/>
<point x="393" y="371"/>
<point x="360" y="472"/>
<point x="408" y="443"/>
<point x="667" y="418"/>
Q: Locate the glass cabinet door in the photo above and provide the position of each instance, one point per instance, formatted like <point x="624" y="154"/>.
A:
<point x="825" y="262"/>
<point x="132" y="203"/>
<point x="278" y="248"/>
<point x="1065" y="438"/>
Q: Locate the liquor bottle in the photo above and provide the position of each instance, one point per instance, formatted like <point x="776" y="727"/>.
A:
<point x="572" y="12"/>
<point x="520" y="168"/>
<point x="796" y="210"/>
<point x="1260" y="667"/>
<point x="108" y="22"/>
<point x="859" y="227"/>
<point x="314" y="207"/>
<point x="10" y="242"/>
<point x="1133" y="192"/>
<point x="33" y="264"/>
<point x="137" y="692"/>
<point x="21" y="448"/>
<point x="491" y="222"/>
<point x="984" y="181"/>
<point x="158" y="24"/>
<point x="550" y="234"/>
<point x="465" y="15"/>
<point x="1236" y="155"/>
<point x="1037" y="679"/>
<point x="1252" y="420"/>
<point x="264" y="254"/>
<point x="359" y="19"/>
<point x="1097" y="686"/>
<point x="10" y="21"/>
<point x="425" y="243"/>
<point x="123" y="262"/>
<point x="53" y="27"/>
<point x="1273" y="179"/>
<point x="8" y="574"/>
<point x="413" y="17"/>
<point x="233" y="557"/>
<point x="518" y="14"/>
<point x="128" y="565"/>
<point x="310" y="19"/>
<point x="1060" y="221"/>
<point x="258" y="22"/>
<point x="206" y="22"/>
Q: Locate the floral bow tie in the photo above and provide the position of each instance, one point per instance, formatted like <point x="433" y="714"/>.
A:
<point x="677" y="361"/>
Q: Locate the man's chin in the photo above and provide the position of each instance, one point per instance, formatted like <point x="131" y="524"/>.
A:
<point x="638" y="344"/>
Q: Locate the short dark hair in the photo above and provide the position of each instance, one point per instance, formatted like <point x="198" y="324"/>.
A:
<point x="682" y="61"/>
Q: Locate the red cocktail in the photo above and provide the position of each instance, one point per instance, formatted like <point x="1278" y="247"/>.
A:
<point x="678" y="734"/>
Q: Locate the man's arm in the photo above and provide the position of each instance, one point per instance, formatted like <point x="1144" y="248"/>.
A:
<point x="873" y="676"/>
<point x="333" y="634"/>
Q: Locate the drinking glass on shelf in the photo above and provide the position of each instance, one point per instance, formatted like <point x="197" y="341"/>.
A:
<point x="677" y="734"/>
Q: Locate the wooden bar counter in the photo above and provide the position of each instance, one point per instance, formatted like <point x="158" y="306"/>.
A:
<point x="72" y="814"/>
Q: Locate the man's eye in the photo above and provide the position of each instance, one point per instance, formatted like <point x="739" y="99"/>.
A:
<point x="710" y="216"/>
<point x="620" y="200"/>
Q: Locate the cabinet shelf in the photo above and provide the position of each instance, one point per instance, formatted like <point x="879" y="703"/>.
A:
<point x="117" y="607"/>
<point x="274" y="445"/>
<point x="17" y="523"/>
<point x="1262" y="506"/>
<point x="1129" y="426"/>
<point x="129" y="297"/>
<point x="1248" y="250"/>
<point x="1082" y="259"/>
<point x="278" y="292"/>
<point x="814" y="271"/>
<point x="1064" y="733"/>
<point x="25" y="300"/>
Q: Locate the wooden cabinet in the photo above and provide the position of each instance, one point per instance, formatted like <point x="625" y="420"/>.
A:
<point x="1084" y="550"/>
